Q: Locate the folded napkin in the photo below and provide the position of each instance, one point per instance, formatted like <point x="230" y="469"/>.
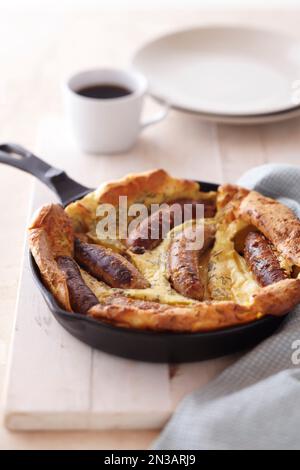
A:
<point x="255" y="403"/>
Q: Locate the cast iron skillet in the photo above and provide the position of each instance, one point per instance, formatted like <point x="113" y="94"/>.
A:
<point x="134" y="344"/>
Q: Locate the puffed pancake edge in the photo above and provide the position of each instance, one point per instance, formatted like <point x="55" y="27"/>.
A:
<point x="276" y="299"/>
<point x="153" y="186"/>
<point x="51" y="236"/>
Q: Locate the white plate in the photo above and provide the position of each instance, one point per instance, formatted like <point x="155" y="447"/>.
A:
<point x="254" y="119"/>
<point x="225" y="70"/>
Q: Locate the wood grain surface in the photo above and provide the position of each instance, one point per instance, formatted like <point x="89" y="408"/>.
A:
<point x="40" y="49"/>
<point x="56" y="382"/>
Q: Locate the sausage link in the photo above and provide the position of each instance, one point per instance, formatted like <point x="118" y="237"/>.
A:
<point x="152" y="229"/>
<point x="108" y="266"/>
<point x="81" y="296"/>
<point x="261" y="259"/>
<point x="209" y="207"/>
<point x="149" y="233"/>
<point x="183" y="262"/>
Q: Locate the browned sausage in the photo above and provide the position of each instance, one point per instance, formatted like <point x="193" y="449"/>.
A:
<point x="152" y="229"/>
<point x="183" y="263"/>
<point x="81" y="296"/>
<point x="209" y="207"/>
<point x="262" y="260"/>
<point x="149" y="233"/>
<point x="108" y="266"/>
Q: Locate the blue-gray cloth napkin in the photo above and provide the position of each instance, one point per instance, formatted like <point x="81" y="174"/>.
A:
<point x="255" y="403"/>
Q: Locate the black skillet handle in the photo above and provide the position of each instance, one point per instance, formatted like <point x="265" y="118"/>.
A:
<point x="56" y="179"/>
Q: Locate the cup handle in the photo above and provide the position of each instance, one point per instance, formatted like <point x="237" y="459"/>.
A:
<point x="159" y="116"/>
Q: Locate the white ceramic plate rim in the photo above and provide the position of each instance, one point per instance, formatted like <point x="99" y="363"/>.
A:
<point x="248" y="120"/>
<point x="242" y="29"/>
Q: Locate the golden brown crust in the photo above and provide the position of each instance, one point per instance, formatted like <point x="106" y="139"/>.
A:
<point x="204" y="317"/>
<point x="51" y="237"/>
<point x="52" y="276"/>
<point x="151" y="187"/>
<point x="276" y="221"/>
<point x="58" y="227"/>
<point x="276" y="299"/>
<point x="148" y="185"/>
<point x="229" y="199"/>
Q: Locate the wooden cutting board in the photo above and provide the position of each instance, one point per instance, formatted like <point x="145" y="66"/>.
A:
<point x="57" y="382"/>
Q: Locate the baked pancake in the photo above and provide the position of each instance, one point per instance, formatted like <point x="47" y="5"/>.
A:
<point x="233" y="261"/>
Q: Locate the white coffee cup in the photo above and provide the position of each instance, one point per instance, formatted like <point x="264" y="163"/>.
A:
<point x="107" y="125"/>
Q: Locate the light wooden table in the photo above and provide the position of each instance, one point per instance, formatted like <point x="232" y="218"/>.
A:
<point x="39" y="48"/>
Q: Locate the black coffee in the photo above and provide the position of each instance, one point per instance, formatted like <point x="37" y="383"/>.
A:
<point x="104" y="91"/>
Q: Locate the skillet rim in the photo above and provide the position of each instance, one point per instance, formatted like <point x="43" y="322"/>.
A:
<point x="54" y="307"/>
